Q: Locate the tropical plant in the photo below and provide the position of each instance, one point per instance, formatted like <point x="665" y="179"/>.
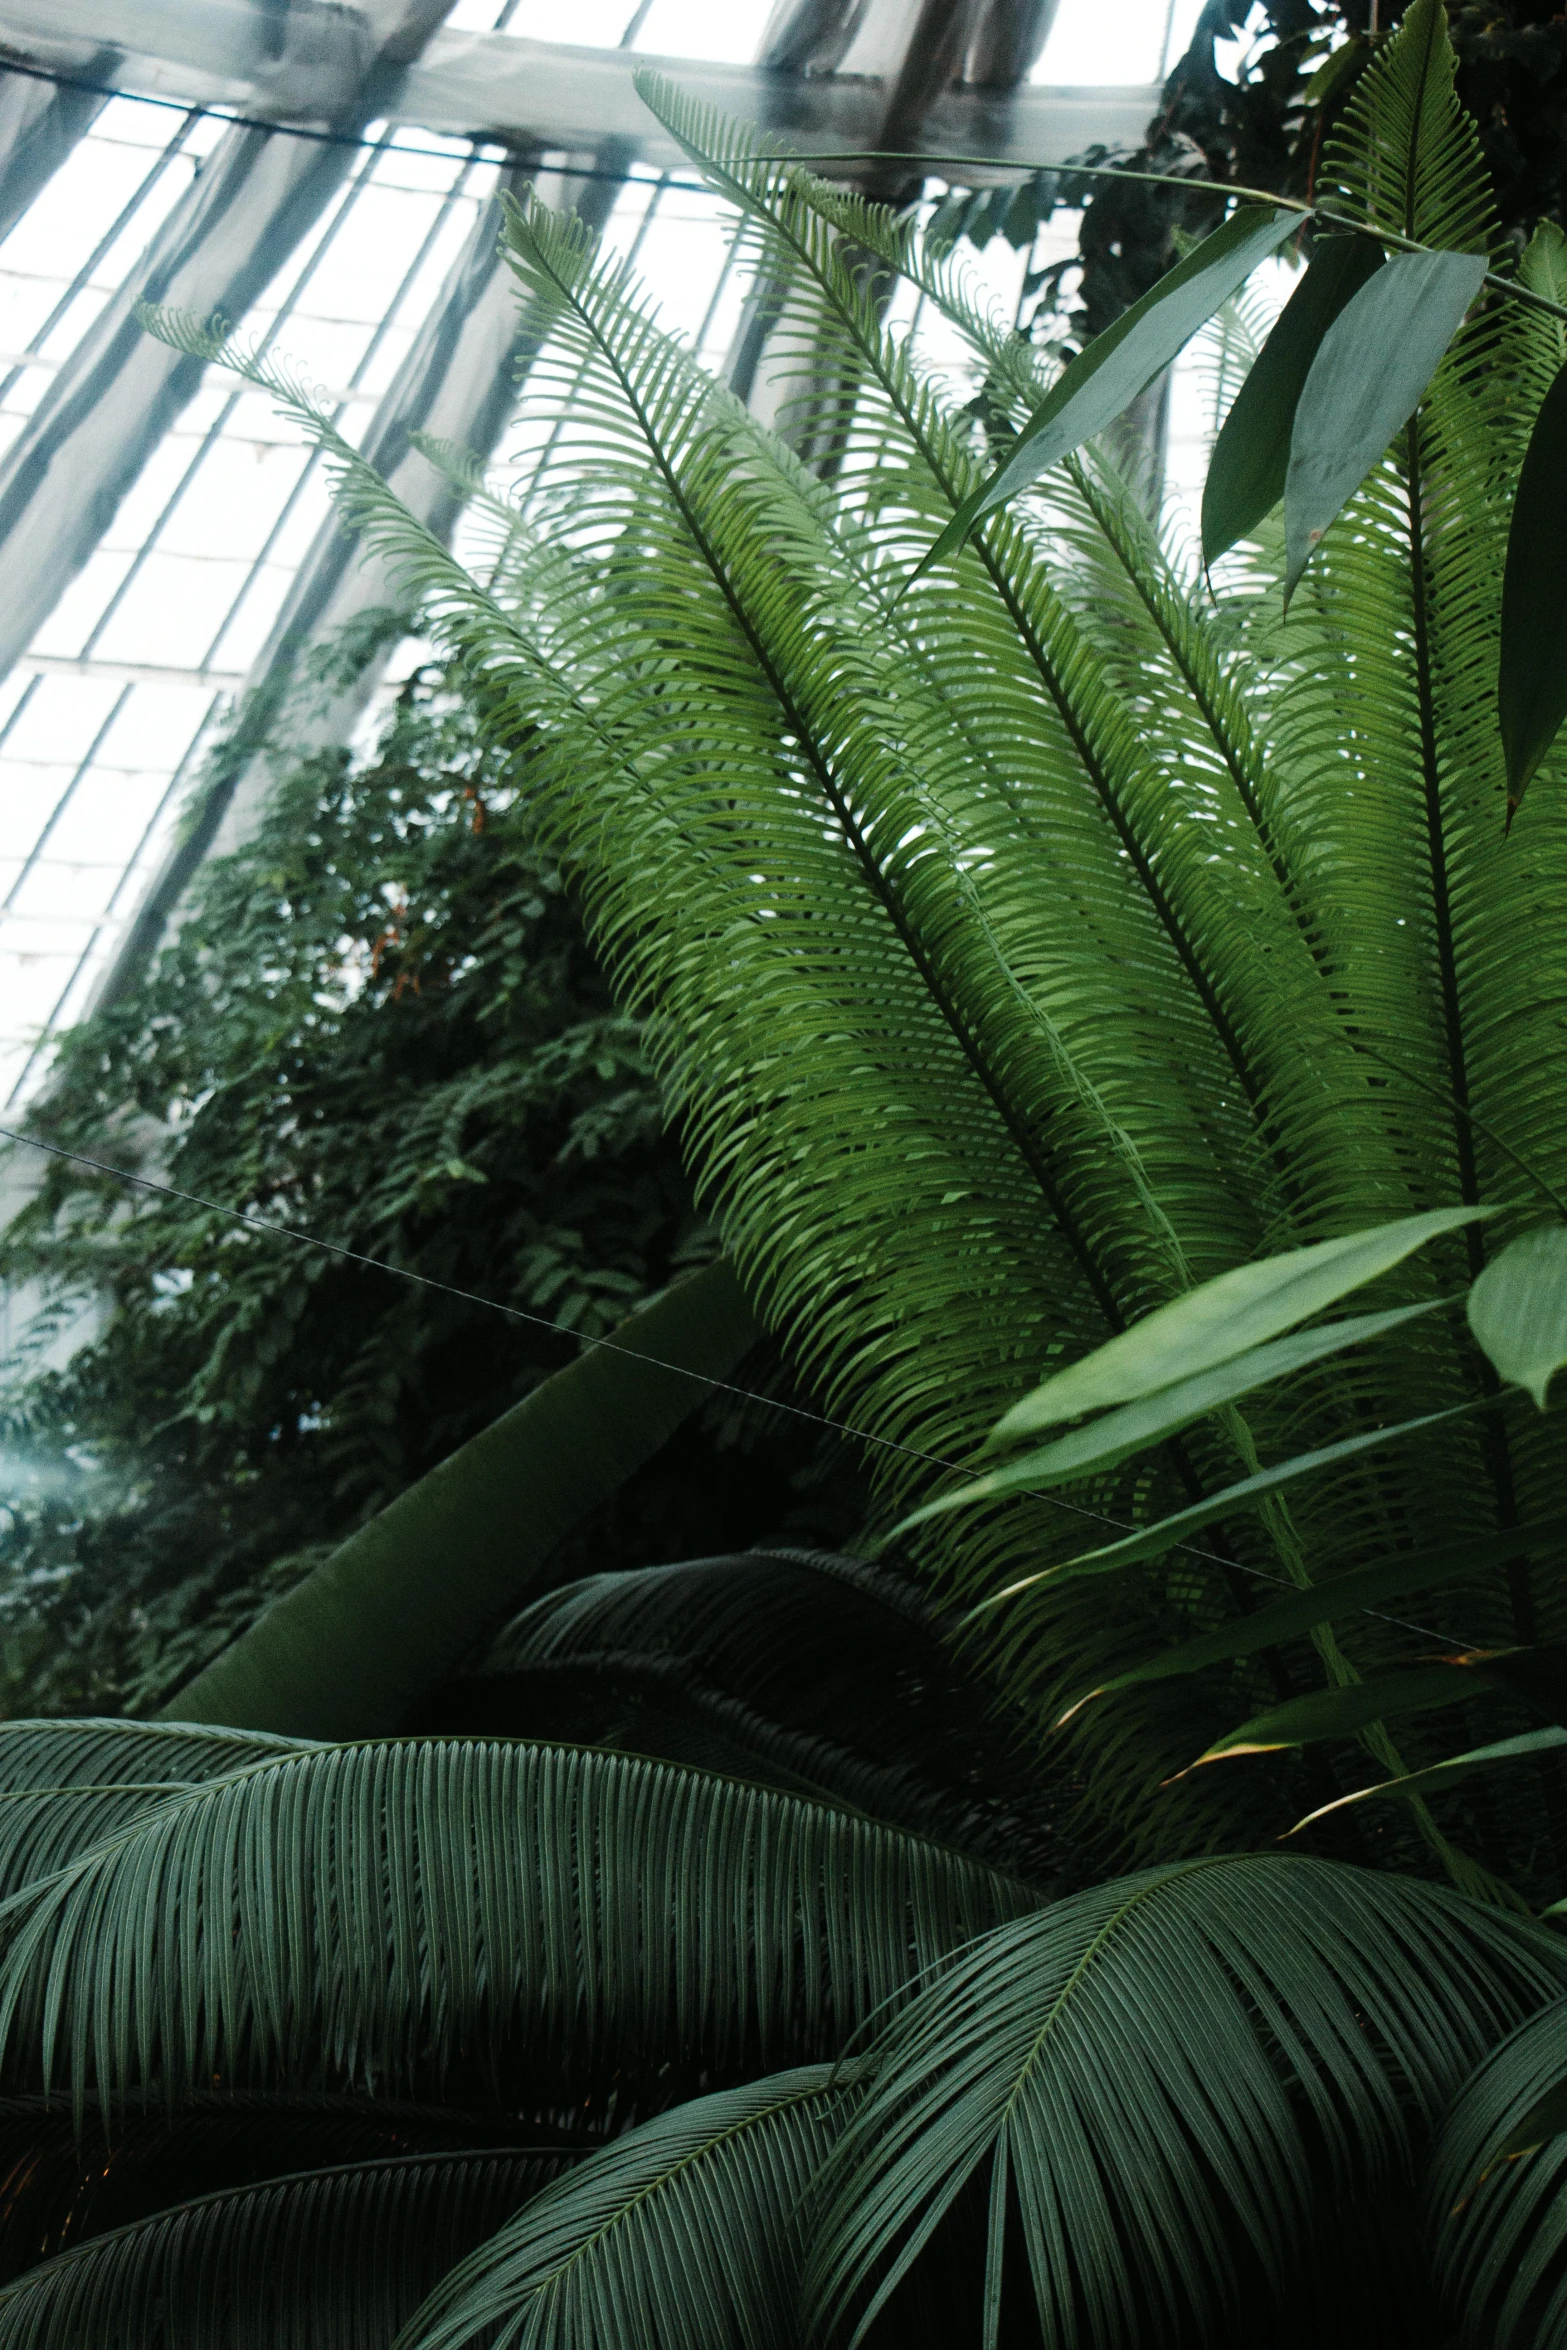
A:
<point x="378" y="1020"/>
<point x="1050" y="969"/>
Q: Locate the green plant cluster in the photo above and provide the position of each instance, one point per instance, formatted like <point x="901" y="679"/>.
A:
<point x="379" y="1023"/>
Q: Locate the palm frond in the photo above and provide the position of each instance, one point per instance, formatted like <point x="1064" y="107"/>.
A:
<point x="824" y="1675"/>
<point x="1500" y="2217"/>
<point x="1172" y="2082"/>
<point x="65" y="2179"/>
<point x="374" y="1915"/>
<point x="324" y="2260"/>
<point x="683" y="2235"/>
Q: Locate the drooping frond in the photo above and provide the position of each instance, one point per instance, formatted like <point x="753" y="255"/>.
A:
<point x="1169" y="2084"/>
<point x="324" y="2260"/>
<point x="825" y="1675"/>
<point x="64" y="2180"/>
<point x="1499" y="2217"/>
<point x="683" y="2235"/>
<point x="371" y="1914"/>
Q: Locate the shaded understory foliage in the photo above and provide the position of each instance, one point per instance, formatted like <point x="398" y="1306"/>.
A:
<point x="378" y="1022"/>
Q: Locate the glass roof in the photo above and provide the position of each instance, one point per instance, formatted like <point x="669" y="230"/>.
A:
<point x="104" y="720"/>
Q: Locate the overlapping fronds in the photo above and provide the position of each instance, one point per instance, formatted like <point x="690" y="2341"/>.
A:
<point x="1027" y="941"/>
<point x="1171" y="2083"/>
<point x="823" y="1674"/>
<point x="1499" y="2211"/>
<point x="324" y="2260"/>
<point x="377" y="1914"/>
<point x="684" y="2235"/>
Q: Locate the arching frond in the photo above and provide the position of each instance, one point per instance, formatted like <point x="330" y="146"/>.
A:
<point x="1170" y="2083"/>
<point x="66" y="2179"/>
<point x="373" y="1914"/>
<point x="1499" y="2214"/>
<point x="324" y="2260"/>
<point x="825" y="1675"/>
<point x="684" y="2235"/>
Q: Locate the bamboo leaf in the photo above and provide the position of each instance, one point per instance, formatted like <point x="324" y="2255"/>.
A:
<point x="1344" y="1713"/>
<point x="1367" y="379"/>
<point x="1106" y="377"/>
<point x="1532" y="684"/>
<point x="1224" y="1317"/>
<point x="348" y="1651"/>
<point x="1119" y="1434"/>
<point x="1364" y="1587"/>
<point x="1251" y="455"/>
<point x="1436" y="1776"/>
<point x="1153" y="1541"/>
<point x="1518" y="1309"/>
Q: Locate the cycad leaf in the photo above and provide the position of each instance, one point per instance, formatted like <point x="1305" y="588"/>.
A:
<point x="1498" y="2193"/>
<point x="821" y="1674"/>
<point x="324" y="2260"/>
<point x="1143" y="2070"/>
<point x="1251" y="455"/>
<point x="1367" y="379"/>
<point x="1226" y="1317"/>
<point x="63" y="2182"/>
<point x="1532" y="686"/>
<point x="683" y="2235"/>
<point x="1518" y="1309"/>
<point x="370" y="1909"/>
<point x="349" y="1650"/>
<point x="1105" y="378"/>
<point x="1119" y="1434"/>
<point x="1343" y="1595"/>
<point x="1412" y="1784"/>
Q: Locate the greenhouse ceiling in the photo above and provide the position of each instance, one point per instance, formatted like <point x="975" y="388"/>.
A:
<point x="328" y="178"/>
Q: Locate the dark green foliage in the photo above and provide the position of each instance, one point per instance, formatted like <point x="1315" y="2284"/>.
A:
<point x="379" y="1022"/>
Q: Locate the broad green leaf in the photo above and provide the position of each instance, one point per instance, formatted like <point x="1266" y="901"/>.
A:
<point x="1251" y="456"/>
<point x="1366" y="381"/>
<point x="1344" y="1713"/>
<point x="1364" y="1587"/>
<point x="1223" y="1318"/>
<point x="1438" y="1775"/>
<point x="1532" y="684"/>
<point x="1518" y="1309"/>
<point x="1119" y="1434"/>
<point x="348" y="1650"/>
<point x="1153" y="1541"/>
<point x="1105" y="378"/>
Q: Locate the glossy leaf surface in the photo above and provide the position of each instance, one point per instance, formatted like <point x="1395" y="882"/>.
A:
<point x="1366" y="381"/>
<point x="1518" y="1309"/>
<point x="1252" y="453"/>
<point x="1107" y="377"/>
<point x="1225" y="1317"/>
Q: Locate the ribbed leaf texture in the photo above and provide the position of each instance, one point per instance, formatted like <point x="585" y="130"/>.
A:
<point x="1175" y="2088"/>
<point x="1025" y="944"/>
<point x="326" y="2260"/>
<point x="824" y="1675"/>
<point x="405" y="1915"/>
<point x="684" y="2235"/>
<point x="1500" y="2224"/>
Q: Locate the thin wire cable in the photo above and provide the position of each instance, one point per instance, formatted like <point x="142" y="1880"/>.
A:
<point x="655" y="1362"/>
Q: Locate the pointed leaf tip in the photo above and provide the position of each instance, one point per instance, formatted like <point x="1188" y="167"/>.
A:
<point x="1518" y="1310"/>
<point x="1251" y="455"/>
<point x="1367" y="379"/>
<point x="1103" y="380"/>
